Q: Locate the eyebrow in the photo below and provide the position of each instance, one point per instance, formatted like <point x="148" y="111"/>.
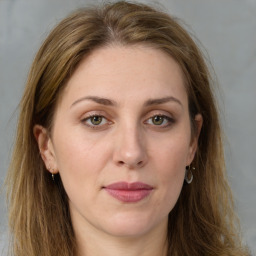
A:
<point x="99" y="100"/>
<point x="162" y="101"/>
<point x="108" y="102"/>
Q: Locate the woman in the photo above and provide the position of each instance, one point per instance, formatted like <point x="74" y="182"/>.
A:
<point x="119" y="148"/>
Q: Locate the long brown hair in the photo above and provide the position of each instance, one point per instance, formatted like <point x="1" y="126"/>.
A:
<point x="202" y="222"/>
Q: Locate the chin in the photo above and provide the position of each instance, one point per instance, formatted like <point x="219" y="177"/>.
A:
<point x="131" y="231"/>
<point x="130" y="226"/>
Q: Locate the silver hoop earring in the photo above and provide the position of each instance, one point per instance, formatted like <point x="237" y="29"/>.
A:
<point x="52" y="176"/>
<point x="189" y="174"/>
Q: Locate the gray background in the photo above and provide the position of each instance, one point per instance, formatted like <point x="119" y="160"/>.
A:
<point x="226" y="28"/>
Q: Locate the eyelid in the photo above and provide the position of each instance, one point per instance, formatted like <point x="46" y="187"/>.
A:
<point x="96" y="114"/>
<point x="92" y="113"/>
<point x="170" y="120"/>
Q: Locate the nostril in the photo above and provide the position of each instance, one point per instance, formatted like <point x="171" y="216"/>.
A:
<point x="140" y="163"/>
<point x="121" y="162"/>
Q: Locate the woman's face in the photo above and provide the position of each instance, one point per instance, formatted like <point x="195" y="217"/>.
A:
<point x="121" y="140"/>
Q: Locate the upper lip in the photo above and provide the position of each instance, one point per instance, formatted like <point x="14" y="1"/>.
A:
<point x="129" y="186"/>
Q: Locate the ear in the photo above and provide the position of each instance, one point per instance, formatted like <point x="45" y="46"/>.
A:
<point x="194" y="140"/>
<point x="46" y="148"/>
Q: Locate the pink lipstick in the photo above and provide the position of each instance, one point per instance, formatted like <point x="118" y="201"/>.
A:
<point x="129" y="192"/>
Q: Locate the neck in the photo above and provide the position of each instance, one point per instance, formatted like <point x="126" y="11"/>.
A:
<point x="92" y="242"/>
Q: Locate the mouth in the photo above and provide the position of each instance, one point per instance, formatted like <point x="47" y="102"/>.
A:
<point x="129" y="192"/>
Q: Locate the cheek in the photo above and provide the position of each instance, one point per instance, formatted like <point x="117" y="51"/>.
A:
<point x="79" y="162"/>
<point x="171" y="155"/>
<point x="170" y="161"/>
<point x="76" y="149"/>
<point x="172" y="178"/>
<point x="171" y="183"/>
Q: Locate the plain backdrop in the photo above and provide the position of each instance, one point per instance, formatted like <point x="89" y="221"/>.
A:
<point x="226" y="29"/>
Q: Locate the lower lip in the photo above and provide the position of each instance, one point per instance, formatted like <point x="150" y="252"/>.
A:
<point x="129" y="196"/>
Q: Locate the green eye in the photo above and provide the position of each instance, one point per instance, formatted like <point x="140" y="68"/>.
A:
<point x="96" y="120"/>
<point x="158" y="120"/>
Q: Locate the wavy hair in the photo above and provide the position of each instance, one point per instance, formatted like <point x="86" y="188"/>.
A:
<point x="202" y="222"/>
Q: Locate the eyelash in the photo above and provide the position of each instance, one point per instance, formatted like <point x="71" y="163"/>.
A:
<point x="94" y="126"/>
<point x="168" y="121"/>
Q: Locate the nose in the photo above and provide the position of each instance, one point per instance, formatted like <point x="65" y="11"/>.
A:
<point x="130" y="148"/>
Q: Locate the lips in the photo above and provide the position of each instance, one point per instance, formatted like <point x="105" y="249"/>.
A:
<point x="129" y="192"/>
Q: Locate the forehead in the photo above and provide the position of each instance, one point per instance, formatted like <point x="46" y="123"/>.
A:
<point x="126" y="71"/>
